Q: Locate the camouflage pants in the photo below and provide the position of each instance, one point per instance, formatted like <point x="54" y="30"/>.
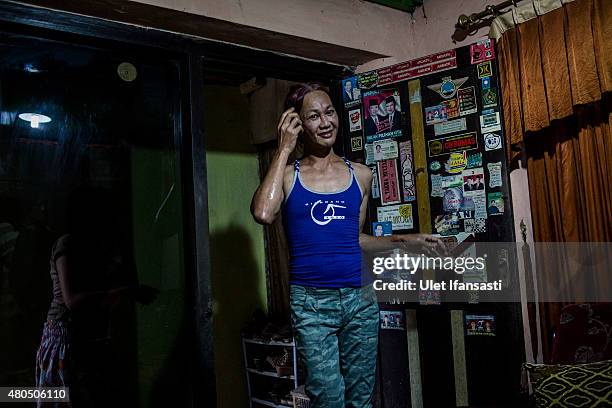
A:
<point x="337" y="335"/>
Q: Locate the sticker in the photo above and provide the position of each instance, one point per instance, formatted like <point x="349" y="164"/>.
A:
<point x="351" y="94"/>
<point x="480" y="204"/>
<point x="408" y="185"/>
<point x="367" y="80"/>
<point x="482" y="51"/>
<point x="429" y="297"/>
<point x="410" y="69"/>
<point x="485" y="83"/>
<point x="396" y="134"/>
<point x="369" y="151"/>
<point x="127" y="71"/>
<point x="467" y="141"/>
<point x="490" y="122"/>
<point x="452" y="108"/>
<point x="436" y="185"/>
<point x="473" y="180"/>
<point x="382" y="229"/>
<point x="492" y="141"/>
<point x="475" y="225"/>
<point x="391" y="320"/>
<point x="435" y="114"/>
<point x="385" y="150"/>
<point x="356" y="143"/>
<point x="448" y="87"/>
<point x="400" y="216"/>
<point x="375" y="188"/>
<point x="479" y="325"/>
<point x="416" y="96"/>
<point x="485" y="69"/>
<point x="447" y="224"/>
<point x="355" y="120"/>
<point x="495" y="177"/>
<point x="489" y="97"/>
<point x="456" y="163"/>
<point x="467" y="101"/>
<point x="473" y="297"/>
<point x="487" y="111"/>
<point x="474" y="160"/>
<point x="474" y="195"/>
<point x="389" y="185"/>
<point x="495" y="204"/>
<point x="435" y="166"/>
<point x="451" y="126"/>
<point x="382" y="116"/>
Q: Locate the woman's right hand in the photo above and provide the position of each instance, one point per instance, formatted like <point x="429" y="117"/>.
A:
<point x="289" y="128"/>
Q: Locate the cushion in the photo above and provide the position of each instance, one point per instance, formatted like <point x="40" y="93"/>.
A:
<point x="572" y="386"/>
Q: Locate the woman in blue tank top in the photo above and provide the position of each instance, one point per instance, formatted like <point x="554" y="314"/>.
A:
<point x="323" y="199"/>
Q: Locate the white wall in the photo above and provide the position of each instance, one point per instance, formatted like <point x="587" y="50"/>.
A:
<point x="349" y="23"/>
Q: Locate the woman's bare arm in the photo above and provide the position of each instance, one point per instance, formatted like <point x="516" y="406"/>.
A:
<point x="268" y="197"/>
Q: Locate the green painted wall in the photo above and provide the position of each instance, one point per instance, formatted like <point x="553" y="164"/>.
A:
<point x="236" y="241"/>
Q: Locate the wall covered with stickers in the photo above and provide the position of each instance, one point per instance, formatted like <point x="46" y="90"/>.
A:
<point x="430" y="130"/>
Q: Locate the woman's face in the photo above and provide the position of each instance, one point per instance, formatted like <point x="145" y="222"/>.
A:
<point x="319" y="119"/>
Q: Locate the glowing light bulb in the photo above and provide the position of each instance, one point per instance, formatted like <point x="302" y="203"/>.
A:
<point x="35" y="119"/>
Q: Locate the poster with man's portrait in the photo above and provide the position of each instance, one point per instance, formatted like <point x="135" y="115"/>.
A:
<point x="351" y="94"/>
<point x="382" y="114"/>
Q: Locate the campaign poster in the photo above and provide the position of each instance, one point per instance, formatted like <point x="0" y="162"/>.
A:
<point x="479" y="325"/>
<point x="382" y="229"/>
<point x="495" y="202"/>
<point x="382" y="114"/>
<point x="435" y="114"/>
<point x="351" y="94"/>
<point x="482" y="51"/>
<point x="391" y="320"/>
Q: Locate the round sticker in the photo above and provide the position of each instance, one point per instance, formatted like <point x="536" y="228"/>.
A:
<point x="492" y="141"/>
<point x="435" y="148"/>
<point x="435" y="166"/>
<point x="127" y="71"/>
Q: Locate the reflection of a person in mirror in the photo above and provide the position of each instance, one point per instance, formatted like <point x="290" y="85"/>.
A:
<point x="90" y="275"/>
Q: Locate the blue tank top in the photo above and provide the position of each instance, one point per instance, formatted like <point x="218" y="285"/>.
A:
<point x="323" y="234"/>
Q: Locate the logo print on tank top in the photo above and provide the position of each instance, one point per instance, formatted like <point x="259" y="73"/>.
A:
<point x="328" y="215"/>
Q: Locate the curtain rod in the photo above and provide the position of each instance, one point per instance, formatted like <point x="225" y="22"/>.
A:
<point x="465" y="22"/>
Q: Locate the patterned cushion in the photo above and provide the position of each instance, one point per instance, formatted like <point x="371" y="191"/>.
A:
<point x="572" y="386"/>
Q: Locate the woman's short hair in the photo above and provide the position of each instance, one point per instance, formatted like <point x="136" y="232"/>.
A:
<point x="295" y="97"/>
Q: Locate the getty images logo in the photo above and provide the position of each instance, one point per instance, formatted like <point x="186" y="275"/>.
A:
<point x="329" y="214"/>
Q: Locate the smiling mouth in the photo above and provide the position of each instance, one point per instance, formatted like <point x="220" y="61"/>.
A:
<point x="326" y="135"/>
